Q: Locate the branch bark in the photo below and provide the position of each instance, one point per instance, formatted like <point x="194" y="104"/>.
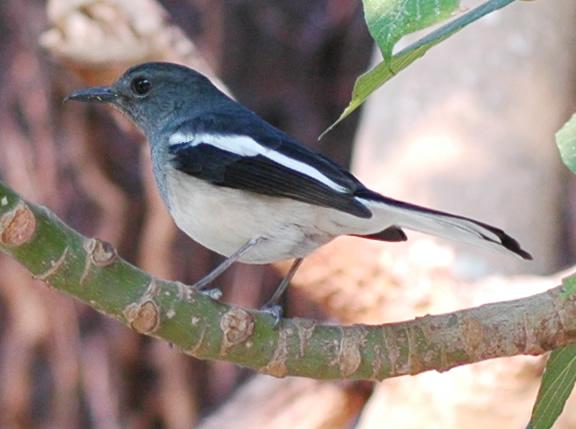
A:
<point x="90" y="270"/>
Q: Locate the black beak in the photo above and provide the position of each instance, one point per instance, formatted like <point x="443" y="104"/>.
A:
<point x="97" y="94"/>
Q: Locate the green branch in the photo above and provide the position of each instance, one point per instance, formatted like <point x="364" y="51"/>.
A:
<point x="91" y="271"/>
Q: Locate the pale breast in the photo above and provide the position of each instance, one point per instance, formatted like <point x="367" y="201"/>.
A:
<point x="224" y="219"/>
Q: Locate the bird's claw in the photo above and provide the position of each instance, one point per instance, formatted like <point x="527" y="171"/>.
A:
<point x="213" y="293"/>
<point x="275" y="311"/>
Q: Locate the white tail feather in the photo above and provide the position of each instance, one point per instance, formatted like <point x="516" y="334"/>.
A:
<point x="444" y="225"/>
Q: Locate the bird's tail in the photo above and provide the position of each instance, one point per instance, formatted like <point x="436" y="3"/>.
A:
<point x="445" y="225"/>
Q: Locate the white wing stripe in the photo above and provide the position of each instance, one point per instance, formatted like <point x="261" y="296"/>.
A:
<point x="246" y="146"/>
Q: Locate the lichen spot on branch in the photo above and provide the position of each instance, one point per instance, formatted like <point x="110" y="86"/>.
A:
<point x="143" y="317"/>
<point x="17" y="226"/>
<point x="101" y="253"/>
<point x="237" y="325"/>
<point x="304" y="329"/>
<point x="350" y="356"/>
<point x="276" y="367"/>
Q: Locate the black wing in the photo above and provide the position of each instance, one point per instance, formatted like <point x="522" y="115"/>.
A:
<point x="259" y="173"/>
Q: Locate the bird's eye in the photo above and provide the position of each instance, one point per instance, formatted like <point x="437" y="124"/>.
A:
<point x="140" y="86"/>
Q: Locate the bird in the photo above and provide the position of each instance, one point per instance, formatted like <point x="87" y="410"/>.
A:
<point x="246" y="190"/>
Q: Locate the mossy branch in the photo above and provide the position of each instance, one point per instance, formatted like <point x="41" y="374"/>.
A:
<point x="90" y="270"/>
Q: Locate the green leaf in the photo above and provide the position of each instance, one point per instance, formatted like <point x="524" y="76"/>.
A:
<point x="389" y="20"/>
<point x="569" y="286"/>
<point x="557" y="383"/>
<point x="566" y="142"/>
<point x="369" y="82"/>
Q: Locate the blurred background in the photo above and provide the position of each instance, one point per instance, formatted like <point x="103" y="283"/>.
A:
<point x="467" y="129"/>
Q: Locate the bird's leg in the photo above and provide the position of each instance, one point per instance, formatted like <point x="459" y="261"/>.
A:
<point x="212" y="275"/>
<point x="272" y="305"/>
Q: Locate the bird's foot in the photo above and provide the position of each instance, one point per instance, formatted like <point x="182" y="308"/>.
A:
<point x="202" y="287"/>
<point x="275" y="311"/>
<point x="213" y="293"/>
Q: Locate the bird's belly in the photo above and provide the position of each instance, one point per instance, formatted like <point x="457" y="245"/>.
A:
<point x="224" y="219"/>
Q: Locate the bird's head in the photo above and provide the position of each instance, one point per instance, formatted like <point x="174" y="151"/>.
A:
<point x="156" y="94"/>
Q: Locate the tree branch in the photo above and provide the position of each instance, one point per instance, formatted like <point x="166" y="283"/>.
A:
<point x="90" y="270"/>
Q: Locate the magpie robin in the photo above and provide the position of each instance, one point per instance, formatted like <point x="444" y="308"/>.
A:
<point x="246" y="190"/>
